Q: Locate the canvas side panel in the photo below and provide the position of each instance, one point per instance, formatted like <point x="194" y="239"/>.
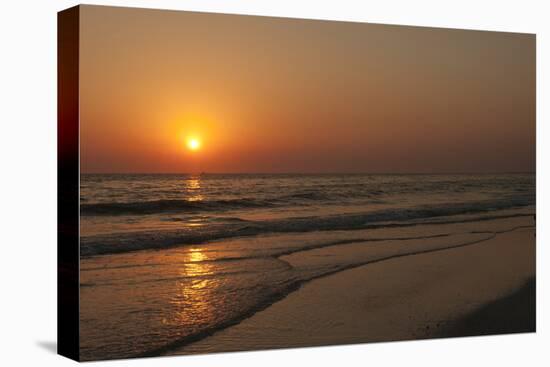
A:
<point x="68" y="183"/>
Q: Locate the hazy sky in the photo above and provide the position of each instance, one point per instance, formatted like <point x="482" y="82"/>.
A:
<point x="287" y="95"/>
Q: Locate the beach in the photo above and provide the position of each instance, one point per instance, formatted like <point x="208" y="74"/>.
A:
<point x="435" y="294"/>
<point x="184" y="264"/>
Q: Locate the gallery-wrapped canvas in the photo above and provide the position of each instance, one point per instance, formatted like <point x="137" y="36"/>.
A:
<point x="235" y="183"/>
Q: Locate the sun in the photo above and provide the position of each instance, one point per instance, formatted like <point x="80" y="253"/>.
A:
<point x="193" y="144"/>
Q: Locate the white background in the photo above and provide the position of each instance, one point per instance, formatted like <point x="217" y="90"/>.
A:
<point x="28" y="182"/>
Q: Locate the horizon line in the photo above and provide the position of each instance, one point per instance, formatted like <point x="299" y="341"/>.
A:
<point x="311" y="173"/>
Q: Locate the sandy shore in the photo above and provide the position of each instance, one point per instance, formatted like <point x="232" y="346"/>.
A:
<point x="484" y="288"/>
<point x="515" y="313"/>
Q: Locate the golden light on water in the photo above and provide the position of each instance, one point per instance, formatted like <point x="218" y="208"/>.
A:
<point x="193" y="302"/>
<point x="192" y="187"/>
<point x="195" y="254"/>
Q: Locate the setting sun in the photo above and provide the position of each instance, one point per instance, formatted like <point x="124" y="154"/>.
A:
<point x="193" y="144"/>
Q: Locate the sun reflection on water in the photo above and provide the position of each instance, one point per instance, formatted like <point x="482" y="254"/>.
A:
<point x="196" y="254"/>
<point x="192" y="303"/>
<point x="192" y="187"/>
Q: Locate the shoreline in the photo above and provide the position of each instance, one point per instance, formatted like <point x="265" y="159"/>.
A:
<point x="378" y="311"/>
<point x="202" y="315"/>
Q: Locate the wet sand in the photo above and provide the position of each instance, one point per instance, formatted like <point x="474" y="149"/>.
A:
<point x="515" y="313"/>
<point x="479" y="289"/>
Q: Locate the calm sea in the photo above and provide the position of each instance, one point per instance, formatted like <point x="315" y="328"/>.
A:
<point x="168" y="259"/>
<point x="122" y="212"/>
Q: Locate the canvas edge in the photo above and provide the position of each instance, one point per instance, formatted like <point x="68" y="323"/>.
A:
<point x="68" y="341"/>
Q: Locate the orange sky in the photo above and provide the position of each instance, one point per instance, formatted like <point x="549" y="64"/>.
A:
<point x="286" y="95"/>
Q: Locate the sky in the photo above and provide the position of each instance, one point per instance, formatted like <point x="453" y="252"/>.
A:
<point x="280" y="95"/>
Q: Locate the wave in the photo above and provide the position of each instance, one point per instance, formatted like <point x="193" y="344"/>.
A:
<point x="188" y="206"/>
<point x="157" y="239"/>
<point x="164" y="206"/>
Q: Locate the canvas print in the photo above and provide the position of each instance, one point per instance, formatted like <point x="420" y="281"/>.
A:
<point x="237" y="183"/>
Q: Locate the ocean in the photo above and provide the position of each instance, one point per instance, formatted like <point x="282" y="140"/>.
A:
<point x="169" y="259"/>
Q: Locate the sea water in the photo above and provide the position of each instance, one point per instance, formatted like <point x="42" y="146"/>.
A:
<point x="169" y="259"/>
